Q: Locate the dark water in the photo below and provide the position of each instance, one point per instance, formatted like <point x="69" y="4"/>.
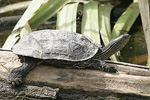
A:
<point x="136" y="50"/>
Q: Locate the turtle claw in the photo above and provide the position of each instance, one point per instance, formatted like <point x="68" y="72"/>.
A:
<point x="15" y="82"/>
<point x="112" y="70"/>
<point x="12" y="83"/>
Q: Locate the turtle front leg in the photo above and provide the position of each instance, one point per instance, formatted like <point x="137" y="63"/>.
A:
<point x="96" y="64"/>
<point x="16" y="74"/>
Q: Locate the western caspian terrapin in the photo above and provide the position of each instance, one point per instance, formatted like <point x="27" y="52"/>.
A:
<point x="62" y="48"/>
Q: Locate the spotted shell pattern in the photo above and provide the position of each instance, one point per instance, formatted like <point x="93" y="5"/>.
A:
<point x="56" y="44"/>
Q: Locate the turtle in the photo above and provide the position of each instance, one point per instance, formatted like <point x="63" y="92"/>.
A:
<point x="63" y="48"/>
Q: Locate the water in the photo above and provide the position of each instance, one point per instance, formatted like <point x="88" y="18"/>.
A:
<point x="135" y="51"/>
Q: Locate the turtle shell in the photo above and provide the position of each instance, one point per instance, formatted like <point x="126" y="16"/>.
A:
<point x="56" y="44"/>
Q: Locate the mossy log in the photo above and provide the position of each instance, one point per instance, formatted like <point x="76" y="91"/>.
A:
<point x="132" y="82"/>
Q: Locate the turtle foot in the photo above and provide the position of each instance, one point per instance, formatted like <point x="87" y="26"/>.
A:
<point x="15" y="82"/>
<point x="112" y="69"/>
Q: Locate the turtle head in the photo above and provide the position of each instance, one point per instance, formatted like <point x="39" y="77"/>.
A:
<point x="115" y="45"/>
<point x="119" y="42"/>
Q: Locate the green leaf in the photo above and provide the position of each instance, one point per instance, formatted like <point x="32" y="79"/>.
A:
<point x="14" y="36"/>
<point x="90" y="25"/>
<point x="126" y="20"/>
<point x="66" y="18"/>
<point x="46" y="11"/>
<point x="104" y="22"/>
<point x="34" y="15"/>
<point x="105" y="26"/>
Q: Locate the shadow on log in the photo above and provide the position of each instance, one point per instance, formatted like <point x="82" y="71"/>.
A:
<point x="81" y="84"/>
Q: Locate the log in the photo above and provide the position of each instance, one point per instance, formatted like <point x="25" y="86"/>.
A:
<point x="26" y="92"/>
<point x="131" y="81"/>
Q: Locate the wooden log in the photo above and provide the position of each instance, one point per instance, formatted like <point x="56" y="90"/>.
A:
<point x="25" y="91"/>
<point x="130" y="82"/>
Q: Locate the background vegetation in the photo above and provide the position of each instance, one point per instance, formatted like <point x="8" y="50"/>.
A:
<point x="110" y="18"/>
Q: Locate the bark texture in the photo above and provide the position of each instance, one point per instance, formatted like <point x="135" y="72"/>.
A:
<point x="79" y="84"/>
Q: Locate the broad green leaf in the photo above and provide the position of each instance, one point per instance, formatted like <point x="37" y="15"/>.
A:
<point x="46" y="11"/>
<point x="66" y="17"/>
<point x="105" y="26"/>
<point x="90" y="25"/>
<point x="13" y="37"/>
<point x="25" y="30"/>
<point x="126" y="20"/>
<point x="104" y="22"/>
<point x="35" y="15"/>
